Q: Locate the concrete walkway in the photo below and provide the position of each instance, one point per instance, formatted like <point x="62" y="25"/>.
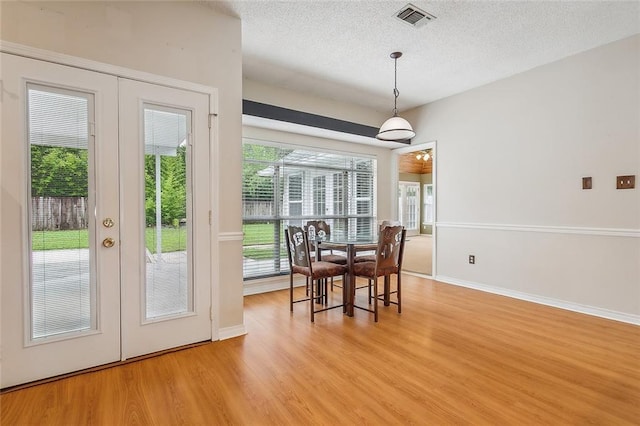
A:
<point x="61" y="292"/>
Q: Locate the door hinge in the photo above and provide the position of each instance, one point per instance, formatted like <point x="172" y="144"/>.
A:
<point x="211" y="117"/>
<point x="211" y="313"/>
<point x="210" y="217"/>
<point x="92" y="129"/>
<point x="190" y="138"/>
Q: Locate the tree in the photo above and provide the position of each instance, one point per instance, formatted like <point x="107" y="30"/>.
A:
<point x="173" y="180"/>
<point x="256" y="158"/>
<point x="58" y="171"/>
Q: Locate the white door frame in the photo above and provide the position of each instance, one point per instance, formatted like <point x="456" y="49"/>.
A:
<point x="395" y="178"/>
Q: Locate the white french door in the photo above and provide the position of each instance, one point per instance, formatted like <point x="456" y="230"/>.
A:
<point x="60" y="285"/>
<point x="100" y="259"/>
<point x="164" y="152"/>
<point x="409" y="206"/>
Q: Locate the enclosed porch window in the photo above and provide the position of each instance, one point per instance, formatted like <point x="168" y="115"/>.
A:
<point x="285" y="185"/>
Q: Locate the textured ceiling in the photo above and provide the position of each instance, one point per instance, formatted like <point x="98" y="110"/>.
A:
<point x="340" y="49"/>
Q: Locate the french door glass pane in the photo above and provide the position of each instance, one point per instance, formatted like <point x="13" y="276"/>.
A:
<point x="169" y="289"/>
<point x="409" y="204"/>
<point x="412" y="205"/>
<point x="63" y="288"/>
<point x="428" y="203"/>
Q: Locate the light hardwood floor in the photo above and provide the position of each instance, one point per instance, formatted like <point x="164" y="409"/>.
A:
<point x="454" y="356"/>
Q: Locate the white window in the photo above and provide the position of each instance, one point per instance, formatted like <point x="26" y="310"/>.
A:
<point x="285" y="185"/>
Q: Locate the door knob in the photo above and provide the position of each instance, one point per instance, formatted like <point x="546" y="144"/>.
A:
<point x="108" y="242"/>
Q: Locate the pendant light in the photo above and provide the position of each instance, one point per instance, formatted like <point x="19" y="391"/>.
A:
<point x="396" y="129"/>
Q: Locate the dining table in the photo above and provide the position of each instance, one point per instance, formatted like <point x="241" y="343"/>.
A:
<point x="350" y="246"/>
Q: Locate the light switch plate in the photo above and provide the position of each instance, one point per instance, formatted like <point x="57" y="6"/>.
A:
<point x="587" y="182"/>
<point x="626" y="182"/>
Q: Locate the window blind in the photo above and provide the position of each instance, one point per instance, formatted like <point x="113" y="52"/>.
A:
<point x="62" y="291"/>
<point x="286" y="185"/>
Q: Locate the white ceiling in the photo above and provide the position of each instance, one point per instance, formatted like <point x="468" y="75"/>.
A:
<point x="340" y="49"/>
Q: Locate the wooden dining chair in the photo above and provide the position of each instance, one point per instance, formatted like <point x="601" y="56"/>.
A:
<point x="322" y="229"/>
<point x="372" y="257"/>
<point x="388" y="262"/>
<point x="317" y="272"/>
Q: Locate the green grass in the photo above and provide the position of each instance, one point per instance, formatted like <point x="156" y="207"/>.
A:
<point x="257" y="233"/>
<point x="59" y="240"/>
<point x="258" y="241"/>
<point x="173" y="239"/>
<point x="260" y="253"/>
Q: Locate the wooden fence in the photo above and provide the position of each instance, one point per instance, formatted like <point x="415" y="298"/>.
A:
<point x="58" y="213"/>
<point x="61" y="213"/>
<point x="257" y="208"/>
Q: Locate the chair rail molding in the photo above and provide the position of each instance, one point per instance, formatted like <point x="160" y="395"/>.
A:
<point x="608" y="232"/>
<point x="231" y="236"/>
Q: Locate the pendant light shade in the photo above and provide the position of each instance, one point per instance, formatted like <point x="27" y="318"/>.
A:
<point x="396" y="129"/>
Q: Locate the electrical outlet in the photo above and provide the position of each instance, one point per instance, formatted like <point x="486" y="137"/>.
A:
<point x="472" y="259"/>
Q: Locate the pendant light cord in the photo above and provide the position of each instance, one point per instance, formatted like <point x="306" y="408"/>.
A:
<point x="396" y="93"/>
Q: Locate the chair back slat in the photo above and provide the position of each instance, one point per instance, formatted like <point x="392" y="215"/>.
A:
<point x="386" y="223"/>
<point x="319" y="228"/>
<point x="390" y="244"/>
<point x="298" y="247"/>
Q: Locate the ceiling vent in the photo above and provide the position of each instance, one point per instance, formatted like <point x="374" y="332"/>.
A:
<point x="414" y="16"/>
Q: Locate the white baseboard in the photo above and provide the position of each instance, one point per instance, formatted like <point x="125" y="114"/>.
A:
<point x="272" y="284"/>
<point x="230" y="332"/>
<point x="265" y="286"/>
<point x="570" y="306"/>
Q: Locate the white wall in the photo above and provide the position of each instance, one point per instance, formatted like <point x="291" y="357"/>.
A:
<point x="182" y="40"/>
<point x="511" y="157"/>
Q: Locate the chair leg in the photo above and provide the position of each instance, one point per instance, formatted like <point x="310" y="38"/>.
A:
<point x="387" y="288"/>
<point x="344" y="294"/>
<point x="325" y="288"/>
<point x="369" y="291"/>
<point x="375" y="300"/>
<point x="291" y="292"/>
<point x="399" y="294"/>
<point x="312" y="300"/>
<point x="317" y="286"/>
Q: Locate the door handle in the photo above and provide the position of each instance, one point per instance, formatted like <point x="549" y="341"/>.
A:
<point x="108" y="242"/>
